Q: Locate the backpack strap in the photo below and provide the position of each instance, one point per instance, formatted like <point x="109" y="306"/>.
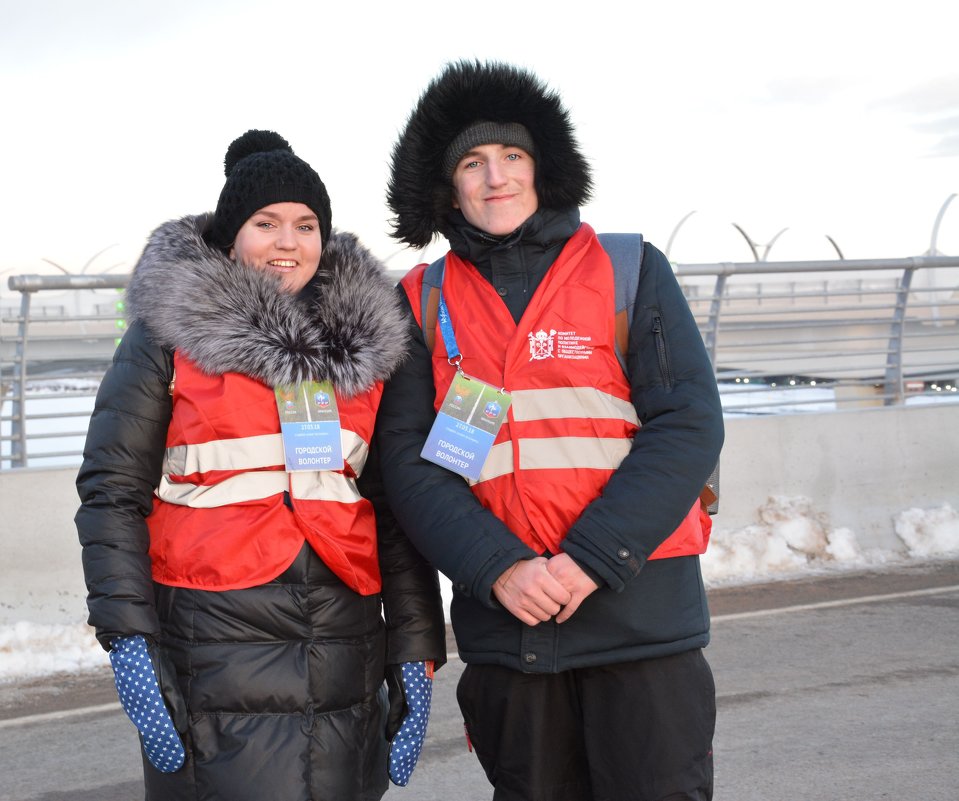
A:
<point x="625" y="251"/>
<point x="430" y="300"/>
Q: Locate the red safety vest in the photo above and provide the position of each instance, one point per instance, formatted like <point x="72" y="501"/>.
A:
<point x="571" y="421"/>
<point x="219" y="520"/>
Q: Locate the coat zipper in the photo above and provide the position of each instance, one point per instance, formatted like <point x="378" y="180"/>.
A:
<point x="661" y="352"/>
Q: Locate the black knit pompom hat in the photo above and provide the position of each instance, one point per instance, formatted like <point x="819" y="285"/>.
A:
<point x="261" y="168"/>
<point x="469" y="101"/>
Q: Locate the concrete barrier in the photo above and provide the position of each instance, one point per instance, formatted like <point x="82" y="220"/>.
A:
<point x="41" y="579"/>
<point x="859" y="469"/>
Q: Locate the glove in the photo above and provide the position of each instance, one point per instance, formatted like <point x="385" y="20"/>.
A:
<point x="411" y="690"/>
<point x="138" y="685"/>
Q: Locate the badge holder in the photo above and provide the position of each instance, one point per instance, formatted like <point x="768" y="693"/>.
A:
<point x="466" y="425"/>
<point x="310" y="426"/>
<point x="471" y="416"/>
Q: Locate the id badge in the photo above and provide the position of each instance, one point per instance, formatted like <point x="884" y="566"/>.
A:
<point x="466" y="426"/>
<point x="310" y="426"/>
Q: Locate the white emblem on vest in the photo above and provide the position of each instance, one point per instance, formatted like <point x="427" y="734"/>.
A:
<point x="541" y="344"/>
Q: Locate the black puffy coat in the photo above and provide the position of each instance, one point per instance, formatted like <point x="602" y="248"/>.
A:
<point x="284" y="682"/>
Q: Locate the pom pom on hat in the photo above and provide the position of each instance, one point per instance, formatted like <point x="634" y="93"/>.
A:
<point x="261" y="168"/>
<point x="253" y="142"/>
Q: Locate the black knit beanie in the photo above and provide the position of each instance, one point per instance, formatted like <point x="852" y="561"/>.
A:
<point x="511" y="134"/>
<point x="261" y="168"/>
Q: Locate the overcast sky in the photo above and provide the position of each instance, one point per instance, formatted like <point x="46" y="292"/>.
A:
<point x="826" y="118"/>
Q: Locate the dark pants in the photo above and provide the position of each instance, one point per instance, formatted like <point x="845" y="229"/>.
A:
<point x="635" y="731"/>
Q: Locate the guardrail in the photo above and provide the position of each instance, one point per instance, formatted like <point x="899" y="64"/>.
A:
<point x="838" y="334"/>
<point x="52" y="358"/>
<point x="784" y="337"/>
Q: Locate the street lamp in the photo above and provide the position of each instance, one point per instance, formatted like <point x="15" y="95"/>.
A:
<point x="672" y="236"/>
<point x="752" y="245"/>
<point x="933" y="243"/>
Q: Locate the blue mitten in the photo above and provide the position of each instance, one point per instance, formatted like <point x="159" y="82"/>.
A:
<point x="142" y="700"/>
<point x="405" y="747"/>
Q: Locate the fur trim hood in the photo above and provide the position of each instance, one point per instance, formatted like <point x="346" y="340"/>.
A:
<point x="345" y="325"/>
<point x="464" y="94"/>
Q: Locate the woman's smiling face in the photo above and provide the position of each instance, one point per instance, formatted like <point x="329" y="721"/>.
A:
<point x="283" y="238"/>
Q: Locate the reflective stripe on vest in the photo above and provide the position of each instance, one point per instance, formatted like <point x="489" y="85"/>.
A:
<point x="560" y="402"/>
<point x="255" y="456"/>
<point x="555" y="453"/>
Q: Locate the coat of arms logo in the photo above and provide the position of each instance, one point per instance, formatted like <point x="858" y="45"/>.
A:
<point x="541" y="344"/>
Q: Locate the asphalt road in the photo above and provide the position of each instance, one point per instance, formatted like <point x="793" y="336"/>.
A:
<point x="842" y="687"/>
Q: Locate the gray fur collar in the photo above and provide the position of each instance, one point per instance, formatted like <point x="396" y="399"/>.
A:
<point x="345" y="326"/>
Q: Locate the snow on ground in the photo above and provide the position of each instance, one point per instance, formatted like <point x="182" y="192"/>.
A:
<point x="32" y="650"/>
<point x="790" y="540"/>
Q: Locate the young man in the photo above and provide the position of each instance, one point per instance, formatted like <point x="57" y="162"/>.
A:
<point x="571" y="532"/>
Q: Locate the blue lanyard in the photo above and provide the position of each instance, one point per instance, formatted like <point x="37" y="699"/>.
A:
<point x="453" y="354"/>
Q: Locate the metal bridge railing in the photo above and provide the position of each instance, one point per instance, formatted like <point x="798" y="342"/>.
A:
<point x="809" y="335"/>
<point x="784" y="337"/>
<point x="52" y="358"/>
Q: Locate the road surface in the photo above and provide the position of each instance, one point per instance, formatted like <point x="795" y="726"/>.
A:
<point x="836" y="687"/>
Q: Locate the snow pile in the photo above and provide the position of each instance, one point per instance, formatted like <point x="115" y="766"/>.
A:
<point x="929" y="533"/>
<point x="34" y="649"/>
<point x="792" y="539"/>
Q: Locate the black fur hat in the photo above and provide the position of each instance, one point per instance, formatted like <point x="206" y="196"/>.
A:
<point x="465" y="93"/>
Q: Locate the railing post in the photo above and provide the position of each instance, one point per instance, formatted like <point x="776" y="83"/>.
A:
<point x="18" y="426"/>
<point x="712" y="323"/>
<point x="893" y="389"/>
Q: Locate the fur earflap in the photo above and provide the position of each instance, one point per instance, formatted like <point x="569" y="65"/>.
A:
<point x="346" y="325"/>
<point x="466" y="93"/>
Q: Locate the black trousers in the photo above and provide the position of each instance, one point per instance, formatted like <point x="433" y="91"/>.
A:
<point x="634" y="731"/>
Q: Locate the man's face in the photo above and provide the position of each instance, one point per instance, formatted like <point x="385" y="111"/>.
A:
<point x="493" y="187"/>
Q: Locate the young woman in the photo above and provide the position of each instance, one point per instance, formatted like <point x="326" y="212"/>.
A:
<point x="233" y="556"/>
